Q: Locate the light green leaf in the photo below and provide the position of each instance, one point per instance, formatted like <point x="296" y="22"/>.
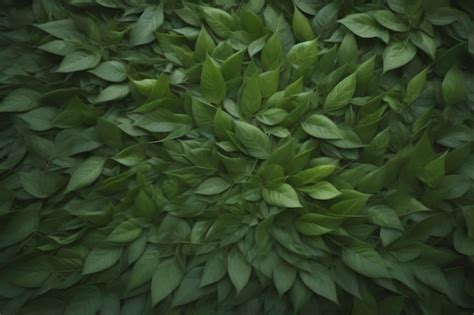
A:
<point x="86" y="173"/>
<point x="272" y="116"/>
<point x="220" y="22"/>
<point x="268" y="82"/>
<point x="281" y="196"/>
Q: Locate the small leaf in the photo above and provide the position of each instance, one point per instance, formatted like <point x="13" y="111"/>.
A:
<point x="112" y="92"/>
<point x="214" y="269"/>
<point x="144" y="268"/>
<point x="389" y="20"/>
<point x="384" y="216"/>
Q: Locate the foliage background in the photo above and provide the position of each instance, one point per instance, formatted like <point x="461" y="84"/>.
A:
<point x="228" y="157"/>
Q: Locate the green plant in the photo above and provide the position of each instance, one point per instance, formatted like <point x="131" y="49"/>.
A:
<point x="266" y="157"/>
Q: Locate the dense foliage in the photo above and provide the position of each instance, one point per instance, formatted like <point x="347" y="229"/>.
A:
<point x="266" y="157"/>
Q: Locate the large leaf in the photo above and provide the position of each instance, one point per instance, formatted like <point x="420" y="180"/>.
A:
<point x="212" y="82"/>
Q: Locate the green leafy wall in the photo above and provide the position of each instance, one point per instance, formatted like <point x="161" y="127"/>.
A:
<point x="236" y="157"/>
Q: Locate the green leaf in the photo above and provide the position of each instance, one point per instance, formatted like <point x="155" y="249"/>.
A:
<point x="342" y="93"/>
<point x="424" y="42"/>
<point x="350" y="202"/>
<point x="365" y="26"/>
<point x="320" y="282"/>
<point x="112" y="92"/>
<point x="20" y="100"/>
<point x="384" y="216"/>
<point x="272" y="116"/>
<point x="212" y="186"/>
<point x="301" y="26"/>
<point x="433" y="172"/>
<point x="86" y="173"/>
<point x="284" y="277"/>
<point x="303" y="56"/>
<point x="125" y="232"/>
<point x="166" y="279"/>
<point x="144" y="268"/>
<point x="321" y="191"/>
<point x="281" y="196"/>
<point x="397" y="54"/>
<point x="148" y="22"/>
<point x="18" y="228"/>
<point x="189" y="289"/>
<point x="40" y="184"/>
<point x="220" y="22"/>
<point x="255" y="142"/>
<point x="321" y="127"/>
<point x="39" y="119"/>
<point x="79" y="60"/>
<point x="272" y="52"/>
<point x="363" y="259"/>
<point x="204" y="45"/>
<point x="415" y="86"/>
<point x="239" y="269"/>
<point x="314" y="224"/>
<point x="214" y="270"/>
<point x="268" y="82"/>
<point x="100" y="259"/>
<point x="389" y="20"/>
<point x="85" y="301"/>
<point x="212" y="82"/>
<point x="63" y="29"/>
<point x="453" y="86"/>
<point x="113" y="71"/>
<point x="251" y="98"/>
